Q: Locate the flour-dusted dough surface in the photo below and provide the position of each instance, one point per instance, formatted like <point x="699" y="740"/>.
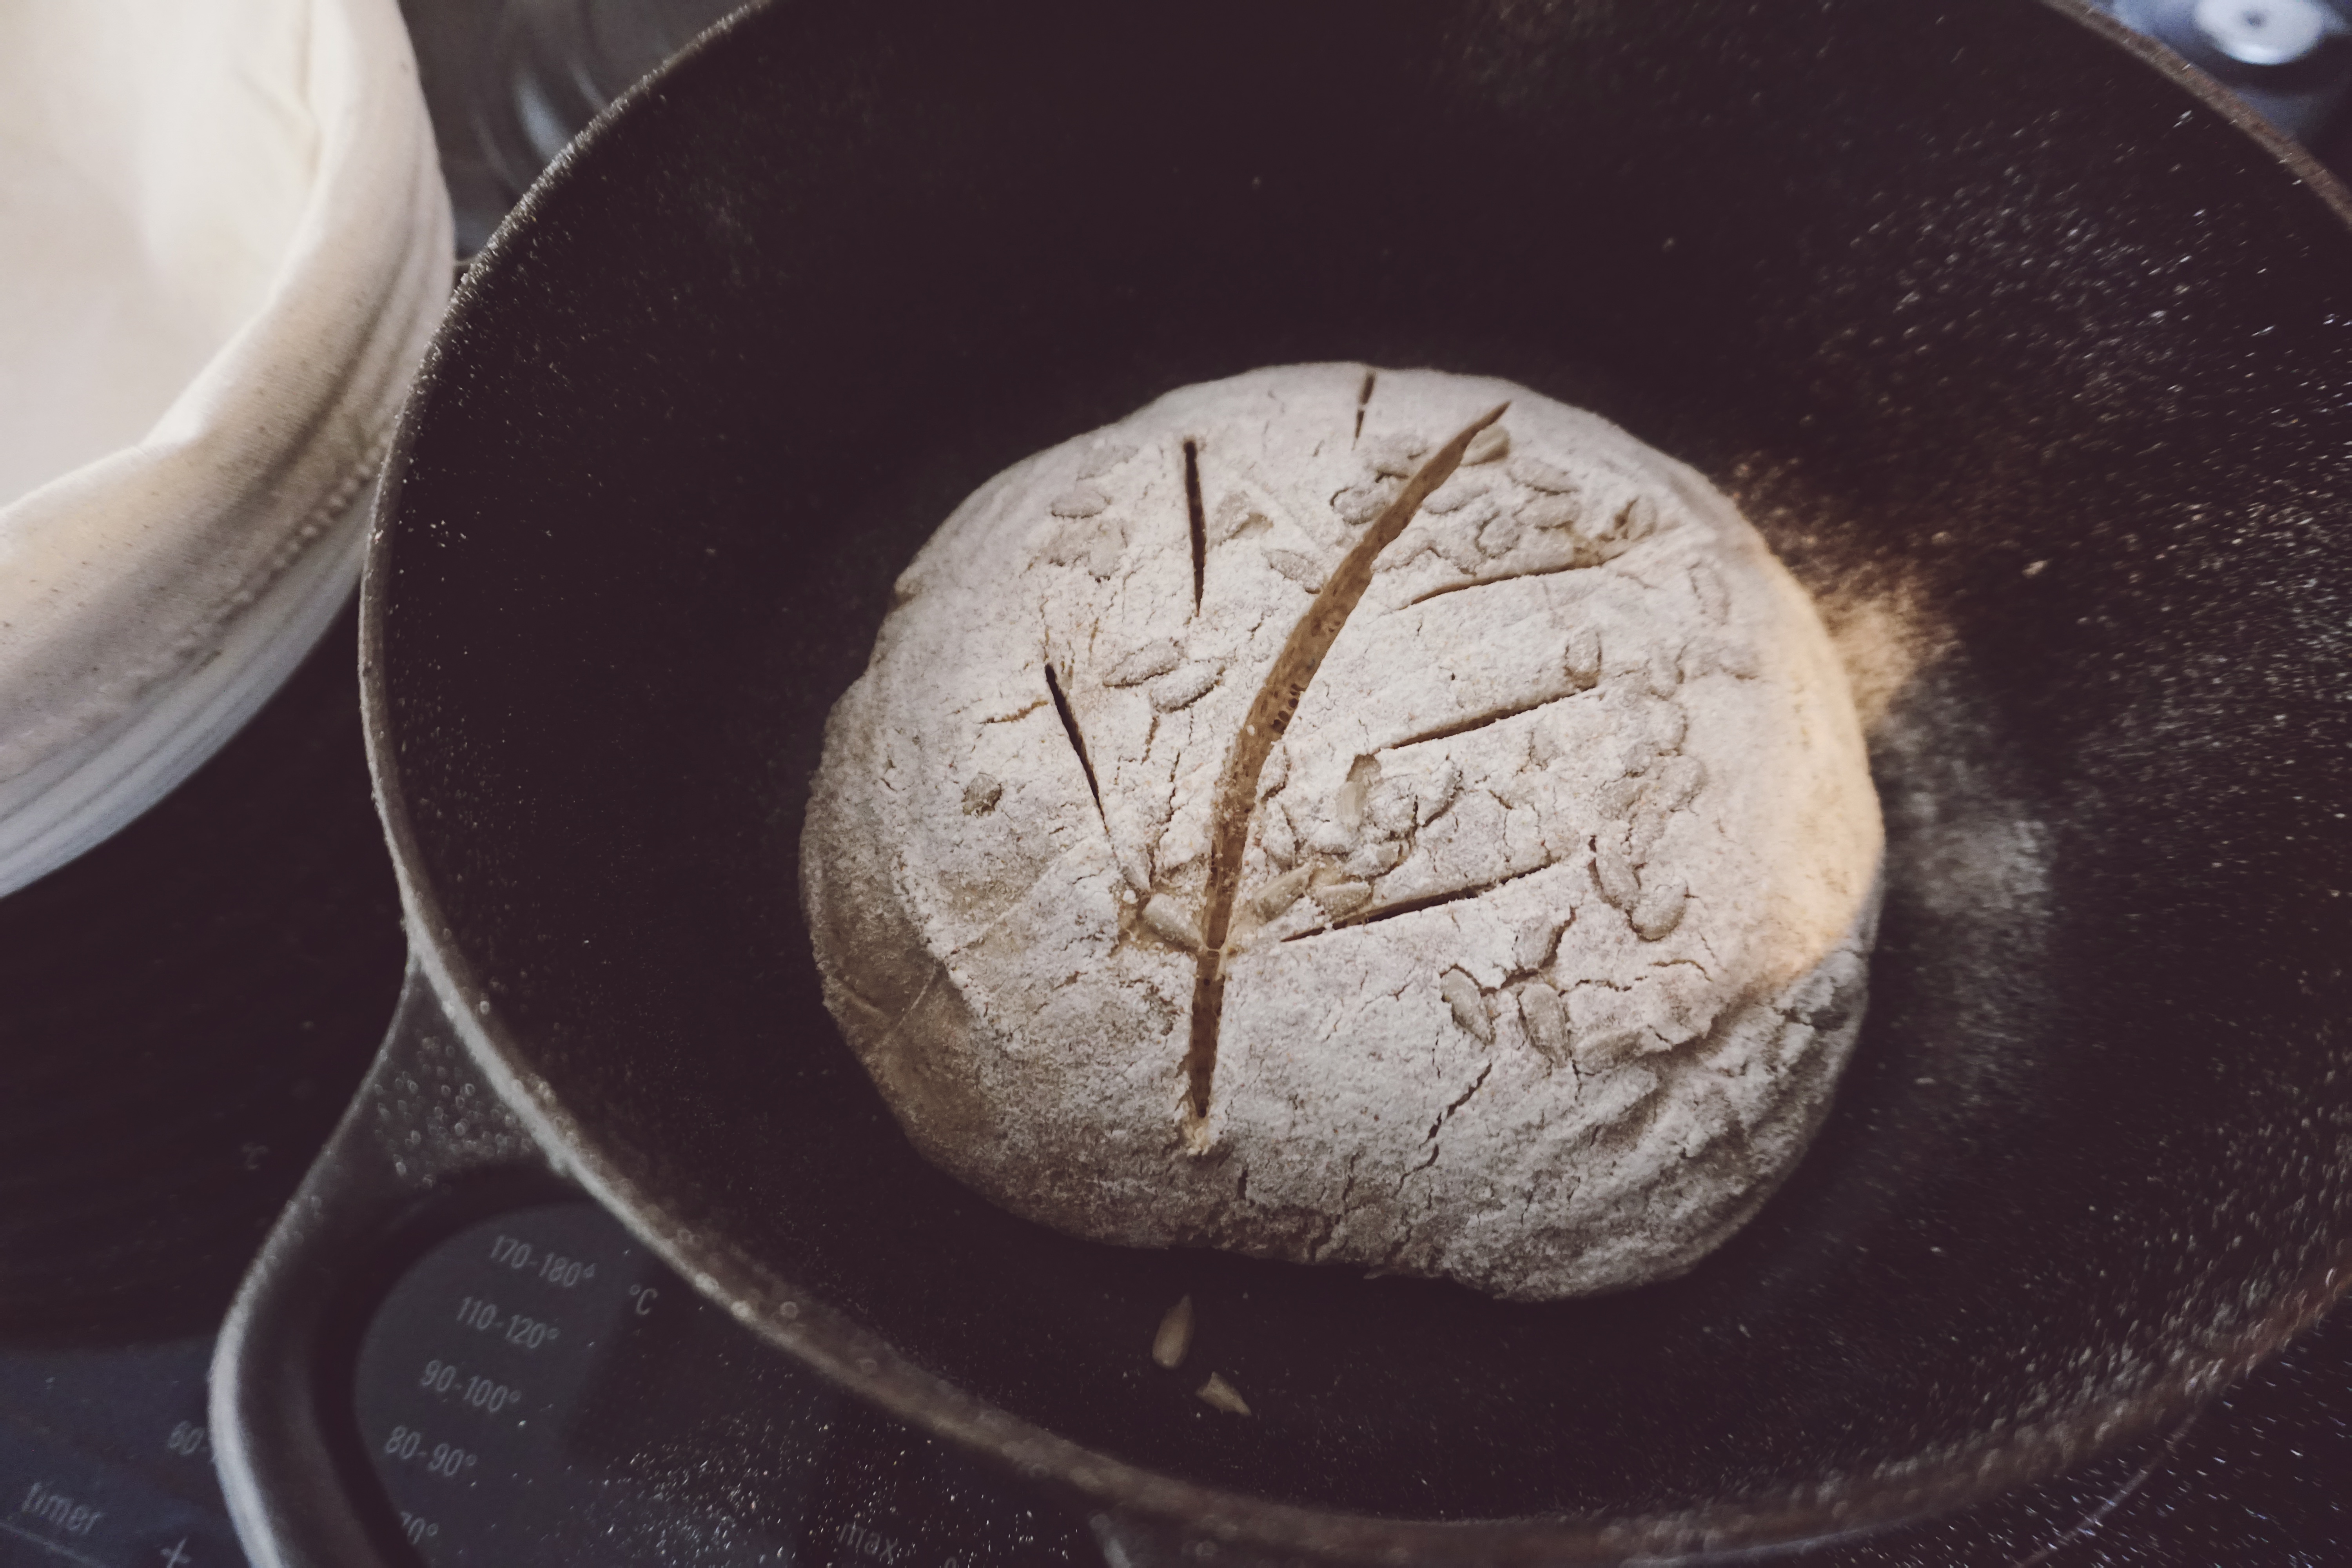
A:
<point x="1550" y="939"/>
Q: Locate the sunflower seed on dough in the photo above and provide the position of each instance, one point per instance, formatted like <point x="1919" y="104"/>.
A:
<point x="1714" y="598"/>
<point x="1170" y="919"/>
<point x="1677" y="784"/>
<point x="1547" y="1026"/>
<point x="1499" y="536"/>
<point x="1359" y="504"/>
<point x="1340" y="899"/>
<point x="1538" y="475"/>
<point x="1395" y="457"/>
<point x="1152" y="658"/>
<point x="1636" y="520"/>
<point x="1661" y="672"/>
<point x="1615" y="875"/>
<point x="1456" y="540"/>
<point x="1580" y="658"/>
<point x="1080" y="501"/>
<point x="1667" y="723"/>
<point x="1297" y="566"/>
<point x="1538" y="937"/>
<point x="1105" y="458"/>
<point x="1659" y="911"/>
<point x="1180" y="689"/>
<point x="1234" y="516"/>
<point x="1457" y="493"/>
<point x="1642" y="834"/>
<point x="1269" y="902"/>
<point x="1720" y="656"/>
<point x="1467" y="1004"/>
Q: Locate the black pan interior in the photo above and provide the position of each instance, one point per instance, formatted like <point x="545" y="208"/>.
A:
<point x="2033" y="366"/>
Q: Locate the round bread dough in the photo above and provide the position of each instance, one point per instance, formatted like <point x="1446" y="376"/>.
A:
<point x="1546" y="915"/>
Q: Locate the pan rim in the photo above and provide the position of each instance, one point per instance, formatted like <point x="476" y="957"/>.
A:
<point x="863" y="1362"/>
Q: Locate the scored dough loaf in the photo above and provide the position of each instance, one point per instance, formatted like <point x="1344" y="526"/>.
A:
<point x="1548" y="939"/>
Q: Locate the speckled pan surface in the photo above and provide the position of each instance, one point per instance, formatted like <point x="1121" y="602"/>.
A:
<point x="2029" y="364"/>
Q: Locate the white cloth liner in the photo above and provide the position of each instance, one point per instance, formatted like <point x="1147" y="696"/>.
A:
<point x="223" y="245"/>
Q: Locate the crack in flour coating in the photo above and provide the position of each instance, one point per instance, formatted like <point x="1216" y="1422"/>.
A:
<point x="1332" y="816"/>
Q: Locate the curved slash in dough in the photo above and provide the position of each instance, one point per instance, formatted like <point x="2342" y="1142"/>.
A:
<point x="1270" y="714"/>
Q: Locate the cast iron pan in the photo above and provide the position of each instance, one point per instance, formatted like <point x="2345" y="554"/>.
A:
<point x="2034" y="366"/>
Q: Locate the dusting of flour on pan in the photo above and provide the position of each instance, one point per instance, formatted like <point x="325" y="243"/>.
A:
<point x="1323" y="817"/>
